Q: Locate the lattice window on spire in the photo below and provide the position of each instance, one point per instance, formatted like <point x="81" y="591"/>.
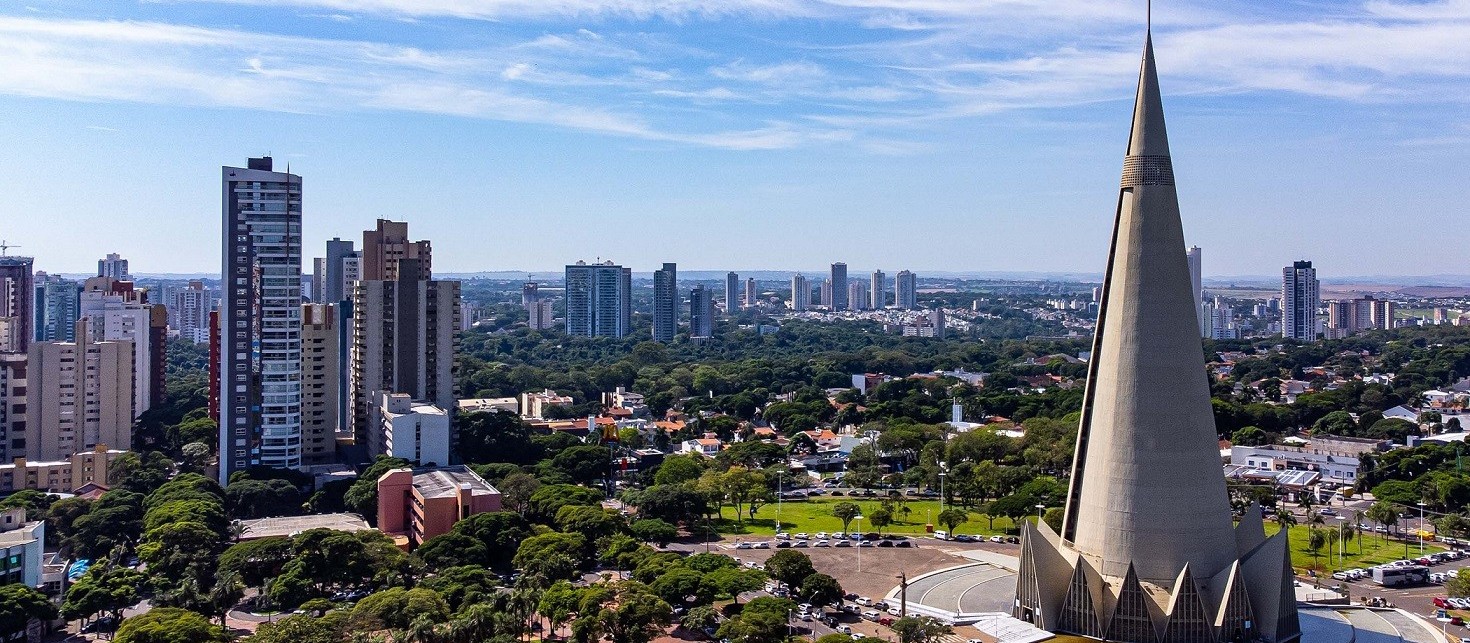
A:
<point x="1131" y="622"/>
<point x="1147" y="170"/>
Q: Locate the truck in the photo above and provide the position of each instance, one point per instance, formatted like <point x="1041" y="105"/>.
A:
<point x="1404" y="575"/>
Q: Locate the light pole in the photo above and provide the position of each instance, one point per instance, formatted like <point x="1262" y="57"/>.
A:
<point x="780" y="478"/>
<point x="859" y="521"/>
<point x="1341" y="542"/>
<point x="941" y="487"/>
<point x="1040" y="513"/>
<point x="1421" y="528"/>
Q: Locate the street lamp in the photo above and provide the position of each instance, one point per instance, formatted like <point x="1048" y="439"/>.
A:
<point x="859" y="521"/>
<point x="941" y="487"/>
<point x="1040" y="513"/>
<point x="1341" y="541"/>
<point x="1421" y="528"/>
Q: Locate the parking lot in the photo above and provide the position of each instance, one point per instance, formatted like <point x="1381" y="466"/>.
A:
<point x="1417" y="598"/>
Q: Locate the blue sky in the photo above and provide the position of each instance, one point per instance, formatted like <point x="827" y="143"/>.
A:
<point x="740" y="134"/>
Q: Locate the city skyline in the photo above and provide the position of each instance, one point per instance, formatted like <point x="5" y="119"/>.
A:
<point x="791" y="117"/>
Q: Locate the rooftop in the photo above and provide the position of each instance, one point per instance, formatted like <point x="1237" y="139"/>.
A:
<point x="446" y="482"/>
<point x="289" y="525"/>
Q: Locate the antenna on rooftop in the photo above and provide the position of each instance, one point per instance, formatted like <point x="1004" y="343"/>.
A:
<point x="5" y="246"/>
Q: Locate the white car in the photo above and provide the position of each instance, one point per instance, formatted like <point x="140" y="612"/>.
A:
<point x="858" y="636"/>
<point x="802" y="536"/>
<point x="864" y="601"/>
<point x="800" y="543"/>
<point x="894" y="611"/>
<point x="872" y="615"/>
<point x="997" y="539"/>
<point x="844" y="629"/>
<point x="763" y="545"/>
<point x="821" y="535"/>
<point x="822" y="543"/>
<point x="744" y="545"/>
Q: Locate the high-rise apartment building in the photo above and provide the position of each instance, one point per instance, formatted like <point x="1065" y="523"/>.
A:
<point x="839" y="287"/>
<point x="385" y="246"/>
<point x="114" y="266"/>
<point x="260" y="321"/>
<point x="701" y="312"/>
<point x="750" y="292"/>
<point x="188" y="311"/>
<point x="857" y="296"/>
<point x="79" y="395"/>
<point x="801" y="293"/>
<point x="13" y="374"/>
<point x="1300" y="299"/>
<point x="321" y="374"/>
<point x="115" y="311"/>
<point x="732" y="293"/>
<point x="877" y="296"/>
<point x="539" y="312"/>
<point x="403" y="342"/>
<point x="905" y="290"/>
<point x="319" y="280"/>
<point x="334" y="284"/>
<point x="666" y="303"/>
<point x="1348" y="316"/>
<point x="599" y="299"/>
<point x="824" y="292"/>
<point x="1195" y="257"/>
<point x="17" y="294"/>
<point x="530" y="291"/>
<point x="57" y="306"/>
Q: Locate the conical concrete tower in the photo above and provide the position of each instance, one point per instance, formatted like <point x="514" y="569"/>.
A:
<point x="1149" y="552"/>
<point x="1147" y="488"/>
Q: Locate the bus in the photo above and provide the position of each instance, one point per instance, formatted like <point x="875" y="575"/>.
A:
<point x="1405" y="575"/>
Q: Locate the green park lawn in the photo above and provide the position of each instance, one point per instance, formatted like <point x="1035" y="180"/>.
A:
<point x="1375" y="549"/>
<point x="815" y="515"/>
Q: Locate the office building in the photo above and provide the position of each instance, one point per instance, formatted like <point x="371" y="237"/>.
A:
<point x="115" y="311"/>
<point x="877" y="296"/>
<point x="857" y="296"/>
<point x="750" y="292"/>
<point x="385" y="246"/>
<point x="78" y="395"/>
<point x="839" y="287"/>
<point x="414" y="430"/>
<point x="188" y="311"/>
<point x="58" y="303"/>
<point x="599" y="299"/>
<point x="1300" y="299"/>
<point x="17" y="303"/>
<point x="801" y="293"/>
<point x="666" y="303"/>
<point x="906" y="290"/>
<point x="321" y="385"/>
<point x="701" y="312"/>
<point x="1195" y="256"/>
<point x="336" y="283"/>
<point x="402" y="342"/>
<point x="1149" y="550"/>
<point x="732" y="293"/>
<point x="415" y="505"/>
<point x="260" y="320"/>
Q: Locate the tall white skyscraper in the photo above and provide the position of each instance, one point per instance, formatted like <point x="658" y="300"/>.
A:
<point x="877" y="298"/>
<point x="260" y="323"/>
<point x="801" y="293"/>
<point x="1300" y="299"/>
<point x="1196" y="270"/>
<point x="750" y="293"/>
<point x="905" y="290"/>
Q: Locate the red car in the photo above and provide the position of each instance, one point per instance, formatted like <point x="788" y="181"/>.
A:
<point x="1440" y="602"/>
<point x="886" y="620"/>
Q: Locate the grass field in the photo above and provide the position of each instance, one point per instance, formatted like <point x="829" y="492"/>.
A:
<point x="816" y="515"/>
<point x="1375" y="549"/>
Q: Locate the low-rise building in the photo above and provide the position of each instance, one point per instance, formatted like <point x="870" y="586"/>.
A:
<point x="708" y="446"/>
<point x="534" y="405"/>
<point x="286" y="526"/>
<point x="1337" y="468"/>
<point x="414" y="430"/>
<point x="59" y="476"/>
<point x="23" y="546"/>
<point x="415" y="505"/>
<point x="482" y="404"/>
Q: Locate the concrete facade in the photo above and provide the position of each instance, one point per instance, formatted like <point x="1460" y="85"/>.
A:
<point x="412" y="430"/>
<point x="79" y="395"/>
<point x="59" y="476"/>
<point x="321" y="373"/>
<point x="1148" y="552"/>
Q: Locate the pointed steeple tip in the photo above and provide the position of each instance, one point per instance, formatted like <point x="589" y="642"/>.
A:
<point x="1148" y="145"/>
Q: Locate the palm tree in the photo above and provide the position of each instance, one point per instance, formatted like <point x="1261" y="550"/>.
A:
<point x="1358" y="517"/>
<point x="1284" y="517"/>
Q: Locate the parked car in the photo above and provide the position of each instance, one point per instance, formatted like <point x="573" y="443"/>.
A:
<point x="822" y="543"/>
<point x="871" y="615"/>
<point x="744" y="545"/>
<point x="997" y="539"/>
<point x="895" y="611"/>
<point x="885" y="543"/>
<point x="783" y="544"/>
<point x="844" y="629"/>
<point x="1441" y="602"/>
<point x="1342" y="575"/>
<point x="904" y="543"/>
<point x="858" y="636"/>
<point x="863" y="600"/>
<point x="1014" y="540"/>
<point x="844" y="543"/>
<point x="885" y="620"/>
<point x="821" y="535"/>
<point x="763" y="545"/>
<point x="799" y="543"/>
